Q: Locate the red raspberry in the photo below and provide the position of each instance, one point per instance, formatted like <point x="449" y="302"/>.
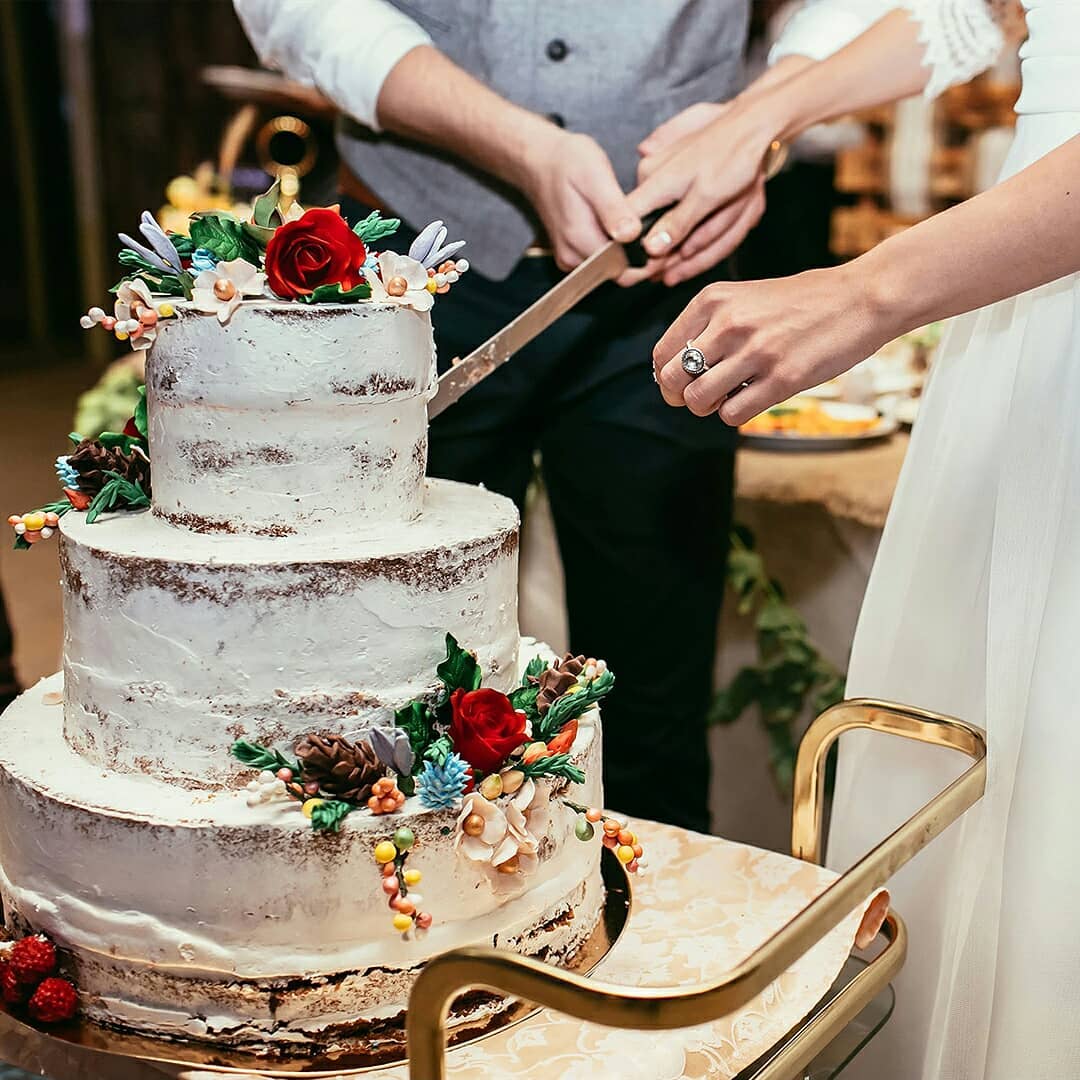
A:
<point x="12" y="992"/>
<point x="54" y="1001"/>
<point x="33" y="959"/>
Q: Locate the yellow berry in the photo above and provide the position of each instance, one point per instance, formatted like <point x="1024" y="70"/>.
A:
<point x="403" y="923"/>
<point x="385" y="852"/>
<point x="624" y="853"/>
<point x="34" y="521"/>
<point x="309" y="807"/>
<point x="413" y="877"/>
<point x="121" y="335"/>
<point x="431" y="286"/>
<point x="166" y="311"/>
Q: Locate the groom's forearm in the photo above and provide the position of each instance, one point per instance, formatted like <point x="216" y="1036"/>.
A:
<point x="427" y="97"/>
<point x="1017" y="236"/>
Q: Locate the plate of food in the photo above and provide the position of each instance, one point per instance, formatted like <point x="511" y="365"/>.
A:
<point x="812" y="424"/>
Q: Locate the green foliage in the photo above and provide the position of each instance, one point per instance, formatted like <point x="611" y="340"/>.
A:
<point x="417" y="721"/>
<point x="263" y="757"/>
<point x="790" y="670"/>
<point x="439" y="750"/>
<point x="375" y="227"/>
<point x="459" y="671"/>
<point x="159" y="281"/>
<point x="524" y="699"/>
<point x="140" y="412"/>
<point x="223" y="234"/>
<point x="328" y="815"/>
<point x="115" y="440"/>
<point x="572" y="705"/>
<point x="537" y="666"/>
<point x="558" y="765"/>
<point x="265" y="206"/>
<point x="334" y="294"/>
<point x="118" y="493"/>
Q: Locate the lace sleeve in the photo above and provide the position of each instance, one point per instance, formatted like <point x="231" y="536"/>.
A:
<point x="962" y="38"/>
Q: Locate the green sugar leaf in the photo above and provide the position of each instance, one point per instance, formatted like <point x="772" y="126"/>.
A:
<point x="262" y="757"/>
<point x="266" y="204"/>
<point x="557" y="765"/>
<point x="416" y="720"/>
<point x="328" y="815"/>
<point x="439" y="751"/>
<point x="376" y="227"/>
<point x="140" y="412"/>
<point x="220" y="232"/>
<point x="333" y="294"/>
<point x="524" y="699"/>
<point x="459" y="671"/>
<point x="537" y="666"/>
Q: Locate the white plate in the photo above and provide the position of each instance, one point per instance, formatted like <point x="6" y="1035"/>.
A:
<point x="839" y="410"/>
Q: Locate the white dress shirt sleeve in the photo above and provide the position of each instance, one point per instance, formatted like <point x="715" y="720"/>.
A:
<point x="344" y="48"/>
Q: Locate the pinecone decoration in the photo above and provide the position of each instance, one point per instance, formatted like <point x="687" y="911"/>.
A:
<point x="557" y="679"/>
<point x="91" y="462"/>
<point x="346" y="770"/>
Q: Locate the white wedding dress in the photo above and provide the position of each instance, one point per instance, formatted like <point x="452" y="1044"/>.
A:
<point x="973" y="610"/>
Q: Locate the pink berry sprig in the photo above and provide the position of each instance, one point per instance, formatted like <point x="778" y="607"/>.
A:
<point x="398" y="882"/>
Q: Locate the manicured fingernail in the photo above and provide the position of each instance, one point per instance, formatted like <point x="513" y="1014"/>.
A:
<point x="627" y="229"/>
<point x="658" y="243"/>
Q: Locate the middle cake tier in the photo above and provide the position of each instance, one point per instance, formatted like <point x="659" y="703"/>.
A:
<point x="177" y="643"/>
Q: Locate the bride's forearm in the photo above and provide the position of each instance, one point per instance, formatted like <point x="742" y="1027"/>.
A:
<point x="883" y="64"/>
<point x="1017" y="236"/>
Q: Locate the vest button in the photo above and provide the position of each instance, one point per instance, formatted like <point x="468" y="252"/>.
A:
<point x="557" y="119"/>
<point x="557" y="49"/>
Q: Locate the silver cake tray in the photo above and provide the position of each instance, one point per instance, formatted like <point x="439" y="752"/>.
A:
<point x="362" y="1057"/>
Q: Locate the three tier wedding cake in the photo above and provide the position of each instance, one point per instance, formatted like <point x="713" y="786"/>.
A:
<point x="297" y="747"/>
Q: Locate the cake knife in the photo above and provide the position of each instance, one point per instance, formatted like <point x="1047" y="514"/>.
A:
<point x="605" y="265"/>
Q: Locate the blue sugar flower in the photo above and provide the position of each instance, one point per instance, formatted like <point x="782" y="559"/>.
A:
<point x="203" y="259"/>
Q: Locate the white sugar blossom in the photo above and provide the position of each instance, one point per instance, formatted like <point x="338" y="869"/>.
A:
<point x="402" y="280"/>
<point x="220" y="291"/>
<point x="511" y="827"/>
<point x="132" y="309"/>
<point x="430" y="247"/>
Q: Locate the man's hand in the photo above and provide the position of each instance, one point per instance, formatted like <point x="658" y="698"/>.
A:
<point x="570" y="182"/>
<point x="708" y="161"/>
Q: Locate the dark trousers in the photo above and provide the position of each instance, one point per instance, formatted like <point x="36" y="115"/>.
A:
<point x="641" y="498"/>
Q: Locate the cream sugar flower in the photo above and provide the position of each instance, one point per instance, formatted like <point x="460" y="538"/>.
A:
<point x="509" y="829"/>
<point x="220" y="291"/>
<point x="135" y="313"/>
<point x="401" y="280"/>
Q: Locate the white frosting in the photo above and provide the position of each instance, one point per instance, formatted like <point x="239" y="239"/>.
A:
<point x="144" y="880"/>
<point x="178" y="643"/>
<point x="290" y="418"/>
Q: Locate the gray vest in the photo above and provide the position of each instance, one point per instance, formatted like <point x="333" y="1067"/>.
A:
<point x="613" y="69"/>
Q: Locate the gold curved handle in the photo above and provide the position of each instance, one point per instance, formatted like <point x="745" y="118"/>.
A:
<point x="661" y="1008"/>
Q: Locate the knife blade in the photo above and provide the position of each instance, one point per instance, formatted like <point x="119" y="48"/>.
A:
<point x="604" y="265"/>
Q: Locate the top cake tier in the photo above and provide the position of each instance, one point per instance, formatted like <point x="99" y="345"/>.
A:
<point x="290" y="417"/>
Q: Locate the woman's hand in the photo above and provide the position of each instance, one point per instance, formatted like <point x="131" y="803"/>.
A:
<point x="765" y="341"/>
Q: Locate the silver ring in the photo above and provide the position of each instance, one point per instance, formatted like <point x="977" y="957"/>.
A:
<point x="693" y="361"/>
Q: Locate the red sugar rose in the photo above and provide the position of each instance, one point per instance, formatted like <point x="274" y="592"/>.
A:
<point x="485" y="728"/>
<point x="317" y="249"/>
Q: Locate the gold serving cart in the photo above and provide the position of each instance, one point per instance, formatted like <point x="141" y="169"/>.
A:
<point x="655" y="1009"/>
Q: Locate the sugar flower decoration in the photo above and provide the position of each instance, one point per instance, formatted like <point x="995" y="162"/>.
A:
<point x="135" y="314"/>
<point x="502" y="833"/>
<point x="402" y="280"/>
<point x="220" y="291"/>
<point x="160" y="254"/>
<point x="430" y="247"/>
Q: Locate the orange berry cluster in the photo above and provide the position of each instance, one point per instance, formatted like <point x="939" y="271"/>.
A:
<point x="34" y="526"/>
<point x="385" y="796"/>
<point x="614" y="835"/>
<point x="399" y="883"/>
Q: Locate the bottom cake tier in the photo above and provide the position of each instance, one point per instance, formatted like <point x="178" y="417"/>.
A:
<point x="194" y="915"/>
